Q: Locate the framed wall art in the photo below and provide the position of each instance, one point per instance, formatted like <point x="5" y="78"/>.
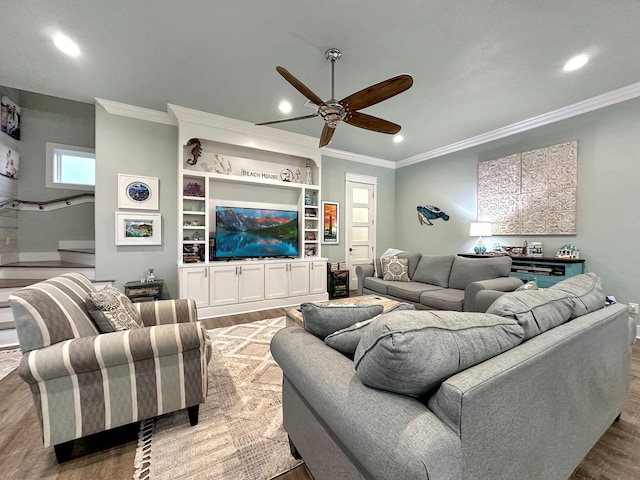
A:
<point x="133" y="228"/>
<point x="9" y="162"/>
<point x="330" y="222"/>
<point x="136" y="192"/>
<point x="10" y="118"/>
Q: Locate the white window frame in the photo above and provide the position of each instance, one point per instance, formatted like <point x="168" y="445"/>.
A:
<point x="52" y="148"/>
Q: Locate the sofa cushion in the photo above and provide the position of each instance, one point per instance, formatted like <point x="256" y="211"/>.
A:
<point x="467" y="270"/>
<point x="586" y="290"/>
<point x="443" y="299"/>
<point x="535" y="310"/>
<point x="346" y="340"/>
<point x="412" y="352"/>
<point x="410" y="291"/>
<point x="323" y="320"/>
<point x="377" y="285"/>
<point x="434" y="269"/>
<point x="395" y="269"/>
<point x="112" y="310"/>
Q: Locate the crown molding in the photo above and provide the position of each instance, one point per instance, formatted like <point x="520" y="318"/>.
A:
<point x="140" y="113"/>
<point x="595" y="103"/>
<point x="356" y="157"/>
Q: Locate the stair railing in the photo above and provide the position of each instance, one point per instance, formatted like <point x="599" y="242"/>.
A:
<point x="48" y="205"/>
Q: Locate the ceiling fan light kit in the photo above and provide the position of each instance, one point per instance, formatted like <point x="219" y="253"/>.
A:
<point x="346" y="110"/>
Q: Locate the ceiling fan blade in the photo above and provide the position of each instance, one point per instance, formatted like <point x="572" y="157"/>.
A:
<point x="289" y="119"/>
<point x="377" y="93"/>
<point x="298" y="85"/>
<point x="327" y="133"/>
<point x="370" y="122"/>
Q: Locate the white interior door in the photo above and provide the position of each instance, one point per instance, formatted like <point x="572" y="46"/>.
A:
<point x="360" y="216"/>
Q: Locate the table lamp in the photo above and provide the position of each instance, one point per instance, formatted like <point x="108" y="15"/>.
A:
<point x="480" y="229"/>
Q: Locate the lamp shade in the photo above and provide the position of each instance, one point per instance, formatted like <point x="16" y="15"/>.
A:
<point x="480" y="229"/>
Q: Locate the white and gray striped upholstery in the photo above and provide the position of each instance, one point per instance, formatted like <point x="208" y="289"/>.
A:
<point x="83" y="382"/>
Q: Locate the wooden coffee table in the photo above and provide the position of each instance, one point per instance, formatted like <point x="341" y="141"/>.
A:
<point x="294" y="315"/>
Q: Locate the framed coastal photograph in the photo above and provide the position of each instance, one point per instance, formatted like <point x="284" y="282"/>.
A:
<point x="330" y="222"/>
<point x="138" y="228"/>
<point x="137" y="192"/>
<point x="10" y="117"/>
<point x="9" y="161"/>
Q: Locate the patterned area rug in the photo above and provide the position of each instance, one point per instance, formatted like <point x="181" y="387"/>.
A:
<point x="239" y="435"/>
<point x="9" y="361"/>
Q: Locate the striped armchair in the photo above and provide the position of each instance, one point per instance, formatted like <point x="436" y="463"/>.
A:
<point x="83" y="381"/>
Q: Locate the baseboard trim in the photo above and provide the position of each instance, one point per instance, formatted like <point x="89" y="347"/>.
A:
<point x="76" y="244"/>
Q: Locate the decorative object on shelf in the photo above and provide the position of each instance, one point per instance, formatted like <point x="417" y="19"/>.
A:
<point x="330" y="222"/>
<point x="309" y="177"/>
<point x="286" y="175"/>
<point x="430" y="212"/>
<point x="137" y="192"/>
<point x="568" y="251"/>
<point x="10" y="118"/>
<point x="480" y="229"/>
<point x="151" y="276"/>
<point x="514" y="251"/>
<point x="9" y="161"/>
<point x="221" y="164"/>
<point x="138" y="228"/>
<point x="534" y="249"/>
<point x="196" y="151"/>
<point x="192" y="253"/>
<point x="197" y="236"/>
<point x="531" y="193"/>
<point x="193" y="189"/>
<point x="298" y="175"/>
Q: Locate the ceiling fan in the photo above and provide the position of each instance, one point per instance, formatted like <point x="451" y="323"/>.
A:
<point x="334" y="112"/>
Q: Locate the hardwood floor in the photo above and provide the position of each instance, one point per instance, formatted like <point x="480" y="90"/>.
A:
<point x="111" y="454"/>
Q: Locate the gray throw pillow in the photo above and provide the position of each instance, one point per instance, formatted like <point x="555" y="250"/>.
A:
<point x="586" y="290"/>
<point x="535" y="310"/>
<point x="346" y="340"/>
<point x="323" y="320"/>
<point x="412" y="353"/>
<point x="112" y="310"/>
<point x="531" y="285"/>
<point x="434" y="270"/>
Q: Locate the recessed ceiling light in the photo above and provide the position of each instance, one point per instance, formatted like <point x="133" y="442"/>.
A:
<point x="398" y="138"/>
<point x="285" y="107"/>
<point x="576" y="62"/>
<point x="66" y="45"/>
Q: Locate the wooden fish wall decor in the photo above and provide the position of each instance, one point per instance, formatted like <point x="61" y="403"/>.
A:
<point x="430" y="212"/>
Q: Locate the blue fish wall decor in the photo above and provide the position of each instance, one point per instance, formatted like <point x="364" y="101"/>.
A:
<point x="430" y="212"/>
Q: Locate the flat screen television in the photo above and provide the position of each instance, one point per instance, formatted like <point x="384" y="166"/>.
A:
<point x="243" y="232"/>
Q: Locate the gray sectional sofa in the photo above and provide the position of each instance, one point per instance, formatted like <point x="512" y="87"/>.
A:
<point x="440" y="282"/>
<point x="531" y="412"/>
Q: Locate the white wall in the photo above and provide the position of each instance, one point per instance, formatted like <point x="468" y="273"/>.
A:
<point x="137" y="147"/>
<point x="608" y="195"/>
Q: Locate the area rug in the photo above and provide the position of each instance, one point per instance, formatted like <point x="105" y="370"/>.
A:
<point x="9" y="361"/>
<point x="239" y="435"/>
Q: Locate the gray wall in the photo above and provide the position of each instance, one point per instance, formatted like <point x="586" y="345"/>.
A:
<point x="50" y="119"/>
<point x="136" y="147"/>
<point x="608" y="195"/>
<point x="333" y="188"/>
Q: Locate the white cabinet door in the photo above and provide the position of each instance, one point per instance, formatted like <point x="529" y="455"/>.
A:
<point x="318" y="277"/>
<point x="275" y="280"/>
<point x="298" y="278"/>
<point x="250" y="283"/>
<point x="195" y="284"/>
<point x="223" y="285"/>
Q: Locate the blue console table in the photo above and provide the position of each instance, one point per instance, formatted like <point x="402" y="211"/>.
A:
<point x="545" y="271"/>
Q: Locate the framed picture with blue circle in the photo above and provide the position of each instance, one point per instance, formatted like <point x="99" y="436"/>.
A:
<point x="137" y="192"/>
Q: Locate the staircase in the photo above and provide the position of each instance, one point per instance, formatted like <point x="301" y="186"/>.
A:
<point x="14" y="276"/>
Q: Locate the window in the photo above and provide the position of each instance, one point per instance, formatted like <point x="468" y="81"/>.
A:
<point x="70" y="167"/>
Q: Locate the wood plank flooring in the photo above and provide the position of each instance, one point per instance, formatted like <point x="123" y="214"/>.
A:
<point x="110" y="455"/>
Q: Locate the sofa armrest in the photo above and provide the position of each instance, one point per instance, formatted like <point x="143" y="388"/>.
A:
<point x="88" y="354"/>
<point x="363" y="271"/>
<point x="381" y="432"/>
<point x="163" y="312"/>
<point x="502" y="284"/>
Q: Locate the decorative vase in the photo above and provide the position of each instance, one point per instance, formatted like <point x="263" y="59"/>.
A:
<point x="309" y="179"/>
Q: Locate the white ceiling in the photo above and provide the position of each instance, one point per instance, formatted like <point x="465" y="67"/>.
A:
<point x="477" y="65"/>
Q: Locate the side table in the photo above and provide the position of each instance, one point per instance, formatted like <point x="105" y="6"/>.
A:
<point x="144" y="292"/>
<point x="338" y="283"/>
